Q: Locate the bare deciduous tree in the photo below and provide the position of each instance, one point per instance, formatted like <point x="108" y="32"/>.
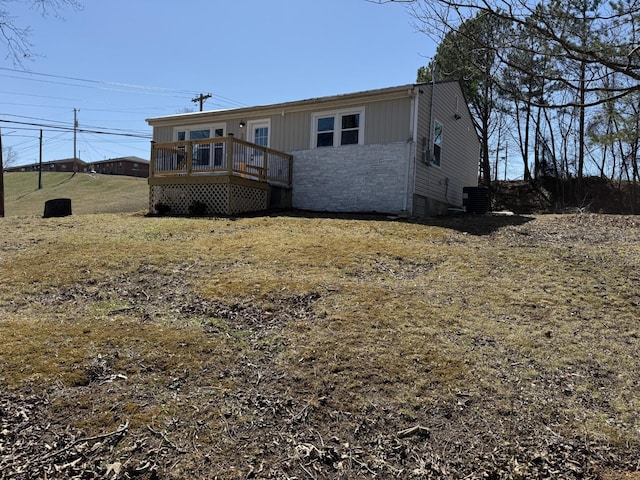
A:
<point x="15" y="36"/>
<point x="9" y="155"/>
<point x="612" y="27"/>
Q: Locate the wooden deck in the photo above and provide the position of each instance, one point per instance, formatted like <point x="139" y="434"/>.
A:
<point x="221" y="156"/>
<point x="223" y="176"/>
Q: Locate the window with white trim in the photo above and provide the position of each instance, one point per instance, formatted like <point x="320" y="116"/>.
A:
<point x="202" y="152"/>
<point x="333" y="129"/>
<point x="261" y="136"/>
<point x="437" y="142"/>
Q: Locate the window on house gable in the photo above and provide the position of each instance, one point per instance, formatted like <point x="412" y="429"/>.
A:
<point x="338" y="128"/>
<point x="437" y="143"/>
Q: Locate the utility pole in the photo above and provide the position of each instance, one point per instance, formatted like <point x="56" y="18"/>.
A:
<point x="40" y="165"/>
<point x="1" y="180"/>
<point x="201" y="98"/>
<point x="75" y="133"/>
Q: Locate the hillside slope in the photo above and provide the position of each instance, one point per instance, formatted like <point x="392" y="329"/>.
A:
<point x="88" y="193"/>
<point x="309" y="347"/>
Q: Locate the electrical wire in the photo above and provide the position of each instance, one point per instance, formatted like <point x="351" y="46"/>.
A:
<point x="71" y="129"/>
<point x="58" y="131"/>
<point x="33" y="118"/>
<point x="102" y="85"/>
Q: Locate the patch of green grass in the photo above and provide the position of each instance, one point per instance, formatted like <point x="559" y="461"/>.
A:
<point x="88" y="193"/>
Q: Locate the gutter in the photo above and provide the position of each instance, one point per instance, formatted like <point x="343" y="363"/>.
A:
<point x="333" y="101"/>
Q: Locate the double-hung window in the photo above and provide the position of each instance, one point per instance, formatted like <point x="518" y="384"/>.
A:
<point x="437" y="143"/>
<point x="325" y="131"/>
<point x="204" y="154"/>
<point x="333" y="129"/>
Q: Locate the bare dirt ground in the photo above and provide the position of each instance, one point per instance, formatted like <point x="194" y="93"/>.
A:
<point x="232" y="404"/>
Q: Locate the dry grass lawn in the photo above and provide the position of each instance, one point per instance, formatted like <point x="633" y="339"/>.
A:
<point x="292" y="346"/>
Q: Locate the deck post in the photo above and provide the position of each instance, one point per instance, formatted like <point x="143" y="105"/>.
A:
<point x="152" y="163"/>
<point x="230" y="154"/>
<point x="189" y="158"/>
<point x="265" y="168"/>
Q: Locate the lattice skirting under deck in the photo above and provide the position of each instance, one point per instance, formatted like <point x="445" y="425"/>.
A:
<point x="219" y="198"/>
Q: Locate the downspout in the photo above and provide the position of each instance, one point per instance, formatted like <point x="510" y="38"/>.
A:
<point x="412" y="149"/>
<point x="429" y="151"/>
<point x="433" y="96"/>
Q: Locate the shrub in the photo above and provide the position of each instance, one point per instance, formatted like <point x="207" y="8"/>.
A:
<point x="198" y="209"/>
<point x="162" y="208"/>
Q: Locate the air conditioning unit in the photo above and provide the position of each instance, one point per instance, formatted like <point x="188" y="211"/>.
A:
<point x="476" y="199"/>
<point x="426" y="158"/>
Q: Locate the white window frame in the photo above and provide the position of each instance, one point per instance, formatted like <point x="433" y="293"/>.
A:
<point x="251" y="126"/>
<point x="337" y="126"/>
<point x="212" y="127"/>
<point x="437" y="143"/>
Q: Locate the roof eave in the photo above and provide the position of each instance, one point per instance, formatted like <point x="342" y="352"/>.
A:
<point x="286" y="107"/>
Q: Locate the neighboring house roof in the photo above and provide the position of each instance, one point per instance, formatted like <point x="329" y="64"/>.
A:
<point x="49" y="162"/>
<point x="122" y="159"/>
<point x="132" y="159"/>
<point x="63" y="160"/>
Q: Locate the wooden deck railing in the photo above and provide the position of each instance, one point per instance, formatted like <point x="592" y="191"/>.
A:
<point x="221" y="156"/>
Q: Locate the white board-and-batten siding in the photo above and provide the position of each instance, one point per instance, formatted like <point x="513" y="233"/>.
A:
<point x="385" y="120"/>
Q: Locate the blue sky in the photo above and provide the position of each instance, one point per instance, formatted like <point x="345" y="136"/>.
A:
<point x="119" y="62"/>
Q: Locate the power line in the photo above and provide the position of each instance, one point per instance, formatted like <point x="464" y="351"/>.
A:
<point x="70" y="124"/>
<point x="94" y="82"/>
<point x="111" y="146"/>
<point x="71" y="129"/>
<point x="32" y="118"/>
<point x="39" y="96"/>
<point x="98" y="132"/>
<point x="151" y="90"/>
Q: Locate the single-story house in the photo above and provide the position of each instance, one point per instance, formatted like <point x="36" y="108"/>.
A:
<point x="409" y="149"/>
<point x="131" y="166"/>
<point x="64" y="165"/>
